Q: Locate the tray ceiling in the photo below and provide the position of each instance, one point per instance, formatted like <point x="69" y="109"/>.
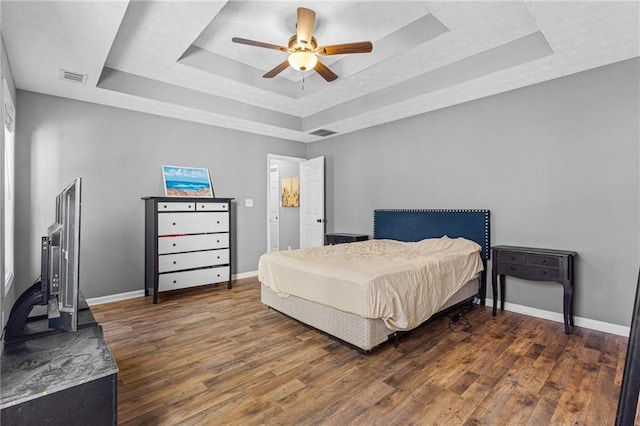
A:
<point x="176" y="58"/>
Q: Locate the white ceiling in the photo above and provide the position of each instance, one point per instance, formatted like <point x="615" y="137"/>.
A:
<point x="176" y="58"/>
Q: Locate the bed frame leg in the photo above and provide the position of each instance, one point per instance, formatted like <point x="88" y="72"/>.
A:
<point x="395" y="339"/>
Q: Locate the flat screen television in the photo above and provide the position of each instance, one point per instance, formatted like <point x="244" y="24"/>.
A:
<point x="58" y="287"/>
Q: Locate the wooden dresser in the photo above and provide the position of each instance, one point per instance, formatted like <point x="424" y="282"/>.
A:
<point x="187" y="243"/>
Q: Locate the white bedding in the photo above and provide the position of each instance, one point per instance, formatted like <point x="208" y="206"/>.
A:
<point x="401" y="283"/>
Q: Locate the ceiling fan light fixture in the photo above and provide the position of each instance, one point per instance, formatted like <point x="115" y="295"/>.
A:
<point x="303" y="60"/>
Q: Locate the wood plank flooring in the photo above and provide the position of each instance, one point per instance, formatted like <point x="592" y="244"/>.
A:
<point x="213" y="356"/>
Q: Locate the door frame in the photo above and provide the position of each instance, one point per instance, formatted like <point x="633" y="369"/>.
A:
<point x="280" y="158"/>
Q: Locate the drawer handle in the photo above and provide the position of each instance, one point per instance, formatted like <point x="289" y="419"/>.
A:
<point x="513" y="268"/>
<point x="218" y="257"/>
<point x="543" y="272"/>
<point x="217" y="221"/>
<point x="174" y="281"/>
<point x="218" y="275"/>
<point x="513" y="258"/>
<point x="217" y="241"/>
<point x="164" y="207"/>
<point x="544" y="261"/>
<point x="174" y="262"/>
<point x="174" y="244"/>
<point x="174" y="224"/>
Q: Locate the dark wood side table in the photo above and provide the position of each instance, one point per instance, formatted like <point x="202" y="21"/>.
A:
<point x="534" y="264"/>
<point x="331" y="239"/>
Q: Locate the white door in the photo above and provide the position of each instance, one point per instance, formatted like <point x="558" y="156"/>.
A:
<point x="274" y="209"/>
<point x="312" y="203"/>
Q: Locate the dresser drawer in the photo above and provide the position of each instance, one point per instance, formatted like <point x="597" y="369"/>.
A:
<point x="182" y="243"/>
<point x="192" y="223"/>
<point x="530" y="272"/>
<point x="196" y="259"/>
<point x="176" y="280"/>
<point x="176" y="207"/>
<point x="212" y="207"/>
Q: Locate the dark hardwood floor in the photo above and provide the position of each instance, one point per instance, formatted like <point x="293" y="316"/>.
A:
<point x="210" y="356"/>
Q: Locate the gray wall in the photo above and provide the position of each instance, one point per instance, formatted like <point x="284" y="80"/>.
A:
<point x="556" y="163"/>
<point x="118" y="153"/>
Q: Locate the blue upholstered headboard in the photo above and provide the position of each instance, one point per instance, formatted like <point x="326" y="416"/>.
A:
<point x="416" y="225"/>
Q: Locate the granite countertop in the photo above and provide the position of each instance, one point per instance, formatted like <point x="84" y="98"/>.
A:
<point x="49" y="364"/>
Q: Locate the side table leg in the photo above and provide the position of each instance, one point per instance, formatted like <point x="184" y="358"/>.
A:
<point x="568" y="296"/>
<point x="571" y="306"/>
<point x="502" y="292"/>
<point x="494" y="288"/>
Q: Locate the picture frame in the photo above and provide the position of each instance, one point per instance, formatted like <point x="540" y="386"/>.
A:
<point x="290" y="192"/>
<point x="181" y="181"/>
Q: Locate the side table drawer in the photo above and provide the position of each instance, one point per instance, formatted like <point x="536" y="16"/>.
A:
<point x="506" y="257"/>
<point x="550" y="261"/>
<point x="529" y="272"/>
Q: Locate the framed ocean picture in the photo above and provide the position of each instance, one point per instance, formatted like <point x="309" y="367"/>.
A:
<point x="186" y="182"/>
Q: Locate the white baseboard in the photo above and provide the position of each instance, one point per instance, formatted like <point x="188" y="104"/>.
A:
<point x="245" y="275"/>
<point x="140" y="293"/>
<point x="114" y="297"/>
<point x="606" y="327"/>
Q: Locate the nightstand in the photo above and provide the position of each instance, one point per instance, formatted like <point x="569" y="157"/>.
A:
<point x="331" y="239"/>
<point x="537" y="265"/>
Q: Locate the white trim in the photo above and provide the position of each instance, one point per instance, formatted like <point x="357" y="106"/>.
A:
<point x="606" y="327"/>
<point x="140" y="293"/>
<point x="245" y="275"/>
<point x="114" y="297"/>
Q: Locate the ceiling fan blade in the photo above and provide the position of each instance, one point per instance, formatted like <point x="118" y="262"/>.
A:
<point x="345" y="48"/>
<point x="258" y="44"/>
<point x="325" y="72"/>
<point x="304" y="26"/>
<point x="277" y="70"/>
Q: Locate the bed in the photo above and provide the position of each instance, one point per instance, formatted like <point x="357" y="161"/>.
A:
<point x="306" y="290"/>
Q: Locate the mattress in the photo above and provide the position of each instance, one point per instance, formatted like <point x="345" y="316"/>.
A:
<point x="400" y="283"/>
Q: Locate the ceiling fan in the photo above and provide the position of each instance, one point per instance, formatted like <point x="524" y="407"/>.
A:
<point x="303" y="48"/>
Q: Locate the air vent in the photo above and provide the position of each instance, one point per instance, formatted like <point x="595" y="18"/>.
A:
<point x="73" y="77"/>
<point x="322" y="132"/>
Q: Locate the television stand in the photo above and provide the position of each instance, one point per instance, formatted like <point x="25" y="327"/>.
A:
<point x="21" y="327"/>
<point x="62" y="379"/>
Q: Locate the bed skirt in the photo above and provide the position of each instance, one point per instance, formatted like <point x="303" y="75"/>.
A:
<point x="364" y="333"/>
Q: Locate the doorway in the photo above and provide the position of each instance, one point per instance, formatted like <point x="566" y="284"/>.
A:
<point x="302" y="225"/>
<point x="283" y="223"/>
